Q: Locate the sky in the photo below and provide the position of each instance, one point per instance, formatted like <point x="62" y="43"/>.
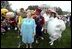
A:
<point x="64" y="5"/>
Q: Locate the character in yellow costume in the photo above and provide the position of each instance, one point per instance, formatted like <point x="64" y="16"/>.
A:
<point x="19" y="20"/>
<point x="21" y="14"/>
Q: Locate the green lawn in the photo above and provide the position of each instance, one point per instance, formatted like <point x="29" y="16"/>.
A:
<point x="10" y="40"/>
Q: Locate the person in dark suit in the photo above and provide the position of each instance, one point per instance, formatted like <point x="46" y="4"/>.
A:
<point x="39" y="20"/>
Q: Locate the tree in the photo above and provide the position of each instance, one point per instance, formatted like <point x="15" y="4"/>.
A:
<point x="32" y="7"/>
<point x="65" y="12"/>
<point x="5" y="4"/>
<point x="58" y="10"/>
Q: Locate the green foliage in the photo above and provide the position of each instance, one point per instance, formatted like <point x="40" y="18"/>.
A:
<point x="59" y="10"/>
<point x="32" y="7"/>
<point x="5" y="4"/>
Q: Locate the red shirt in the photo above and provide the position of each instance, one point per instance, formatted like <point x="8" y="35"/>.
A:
<point x="39" y="20"/>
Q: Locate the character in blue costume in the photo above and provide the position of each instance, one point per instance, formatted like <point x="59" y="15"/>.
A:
<point x="28" y="30"/>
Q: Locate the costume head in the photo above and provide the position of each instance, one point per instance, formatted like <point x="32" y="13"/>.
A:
<point x="3" y="12"/>
<point x="10" y="15"/>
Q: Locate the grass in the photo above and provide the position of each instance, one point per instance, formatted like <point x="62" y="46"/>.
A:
<point x="10" y="40"/>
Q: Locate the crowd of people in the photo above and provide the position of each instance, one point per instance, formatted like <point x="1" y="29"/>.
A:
<point x="31" y="24"/>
